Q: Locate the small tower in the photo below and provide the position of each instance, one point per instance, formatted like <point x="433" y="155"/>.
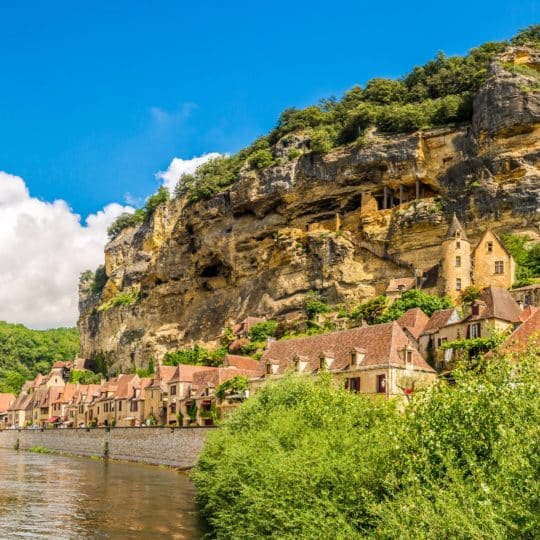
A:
<point x="455" y="261"/>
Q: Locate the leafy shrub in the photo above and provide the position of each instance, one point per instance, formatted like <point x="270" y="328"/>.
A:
<point x="462" y="462"/>
<point x="528" y="36"/>
<point x="414" y="298"/>
<point x="370" y="311"/>
<point x="124" y="221"/>
<point x="120" y="299"/>
<point x="261" y="159"/>
<point x="385" y="91"/>
<point x="313" y="304"/>
<point x="235" y="385"/>
<point x="83" y="376"/>
<point x="196" y="355"/>
<point x="262" y="330"/>
<point x="470" y="294"/>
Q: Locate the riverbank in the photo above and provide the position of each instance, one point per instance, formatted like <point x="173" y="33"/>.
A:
<point x="173" y="447"/>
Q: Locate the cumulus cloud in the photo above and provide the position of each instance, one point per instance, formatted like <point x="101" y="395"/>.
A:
<point x="44" y="247"/>
<point x="179" y="166"/>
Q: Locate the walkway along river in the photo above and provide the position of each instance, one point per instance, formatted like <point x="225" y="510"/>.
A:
<point x="57" y="497"/>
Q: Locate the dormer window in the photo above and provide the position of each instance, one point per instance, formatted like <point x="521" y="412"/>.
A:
<point x="408" y="355"/>
<point x="269" y="368"/>
<point x="458" y="234"/>
<point x="322" y="362"/>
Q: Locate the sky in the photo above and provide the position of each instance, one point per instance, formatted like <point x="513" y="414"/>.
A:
<point x="101" y="102"/>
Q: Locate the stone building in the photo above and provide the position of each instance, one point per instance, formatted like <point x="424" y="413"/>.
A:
<point x="379" y="360"/>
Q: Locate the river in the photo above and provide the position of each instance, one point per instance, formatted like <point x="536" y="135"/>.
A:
<point x="57" y="497"/>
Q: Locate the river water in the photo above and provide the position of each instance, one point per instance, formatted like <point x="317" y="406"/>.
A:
<point x="56" y="497"/>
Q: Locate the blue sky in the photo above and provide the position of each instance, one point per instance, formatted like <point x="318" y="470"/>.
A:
<point x="98" y="96"/>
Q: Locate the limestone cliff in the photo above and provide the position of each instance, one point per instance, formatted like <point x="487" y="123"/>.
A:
<point x="343" y="223"/>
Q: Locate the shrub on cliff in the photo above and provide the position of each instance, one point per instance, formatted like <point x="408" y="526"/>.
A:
<point x="306" y="459"/>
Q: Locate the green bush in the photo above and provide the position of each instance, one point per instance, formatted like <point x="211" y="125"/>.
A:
<point x="235" y="385"/>
<point x="84" y="376"/>
<point x="370" y="311"/>
<point x="196" y="355"/>
<point x="462" y="462"/>
<point x="428" y="303"/>
<point x="120" y="299"/>
<point x="124" y="221"/>
<point x="261" y="159"/>
<point x="314" y="305"/>
<point x="385" y="91"/>
<point x="263" y="330"/>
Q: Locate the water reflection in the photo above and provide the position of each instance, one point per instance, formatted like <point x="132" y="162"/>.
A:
<point x="54" y="497"/>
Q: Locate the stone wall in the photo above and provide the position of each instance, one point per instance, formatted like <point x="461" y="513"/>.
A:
<point x="178" y="447"/>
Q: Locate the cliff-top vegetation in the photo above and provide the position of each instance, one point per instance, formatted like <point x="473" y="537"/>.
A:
<point x="438" y="93"/>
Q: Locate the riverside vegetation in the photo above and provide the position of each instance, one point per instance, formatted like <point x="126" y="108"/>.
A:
<point x="305" y="459"/>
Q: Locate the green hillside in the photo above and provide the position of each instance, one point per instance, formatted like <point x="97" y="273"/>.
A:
<point x="25" y="352"/>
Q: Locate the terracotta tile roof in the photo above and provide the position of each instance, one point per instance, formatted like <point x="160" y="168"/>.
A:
<point x="414" y="320"/>
<point x="145" y="382"/>
<point x="165" y="373"/>
<point x="67" y="394"/>
<point x="532" y="287"/>
<point x="527" y="332"/>
<point x="529" y="311"/>
<point x="125" y="388"/>
<point x="441" y="318"/>
<point x="495" y="303"/>
<point x="6" y="400"/>
<point x="186" y="372"/>
<point x="400" y="284"/>
<point x="384" y="344"/>
<point x="17" y="405"/>
<point x="240" y="362"/>
<point x="60" y="364"/>
<point x="212" y="378"/>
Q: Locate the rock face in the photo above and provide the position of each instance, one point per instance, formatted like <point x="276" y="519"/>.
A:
<point x="342" y="223"/>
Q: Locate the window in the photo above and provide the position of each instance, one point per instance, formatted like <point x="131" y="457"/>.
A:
<point x="401" y="287"/>
<point x="381" y="384"/>
<point x="173" y="408"/>
<point x="458" y="245"/>
<point x="474" y="330"/>
<point x="134" y="406"/>
<point x="490" y="247"/>
<point x="119" y="406"/>
<point x="269" y="369"/>
<point x="499" y="267"/>
<point x="106" y="407"/>
<point x="173" y="390"/>
<point x="458" y="234"/>
<point x="441" y="340"/>
<point x="527" y="299"/>
<point x="458" y="284"/>
<point x="458" y="261"/>
<point x="408" y="356"/>
<point x="353" y="384"/>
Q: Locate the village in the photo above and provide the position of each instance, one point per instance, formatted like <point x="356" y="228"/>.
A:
<point x="389" y="360"/>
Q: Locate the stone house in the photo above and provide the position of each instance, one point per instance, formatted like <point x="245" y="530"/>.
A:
<point x="460" y="266"/>
<point x="203" y="406"/>
<point x="6" y="401"/>
<point x="495" y="311"/>
<point x="527" y="296"/>
<point x="125" y="402"/>
<point x="156" y="395"/>
<point x="379" y="360"/>
<point x="179" y="388"/>
<point x="527" y="334"/>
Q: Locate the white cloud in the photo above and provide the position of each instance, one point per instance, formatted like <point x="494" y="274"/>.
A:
<point x="43" y="249"/>
<point x="179" y="166"/>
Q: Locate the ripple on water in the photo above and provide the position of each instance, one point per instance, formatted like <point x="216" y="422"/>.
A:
<point x="57" y="497"/>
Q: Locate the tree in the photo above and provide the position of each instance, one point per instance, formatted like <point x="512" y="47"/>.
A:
<point x="385" y="91"/>
<point x="415" y="298"/>
<point x="370" y="311"/>
<point x="262" y="330"/>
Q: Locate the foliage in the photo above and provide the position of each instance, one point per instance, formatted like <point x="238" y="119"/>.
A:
<point x="39" y="450"/>
<point x="470" y="294"/>
<point x="120" y="299"/>
<point x="370" y="311"/>
<point x="314" y="305"/>
<point x="146" y="372"/>
<point x="472" y="348"/>
<point x="462" y="462"/>
<point x="528" y="36"/>
<point x="263" y="330"/>
<point x="527" y="259"/>
<point x="83" y="376"/>
<point x="196" y="355"/>
<point x="428" y="303"/>
<point x="25" y="352"/>
<point x="124" y="221"/>
<point x="261" y="159"/>
<point x="236" y="385"/>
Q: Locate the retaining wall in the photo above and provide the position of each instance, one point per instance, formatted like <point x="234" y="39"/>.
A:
<point x="177" y="447"/>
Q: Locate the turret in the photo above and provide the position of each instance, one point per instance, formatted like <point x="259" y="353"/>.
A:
<point x="455" y="260"/>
